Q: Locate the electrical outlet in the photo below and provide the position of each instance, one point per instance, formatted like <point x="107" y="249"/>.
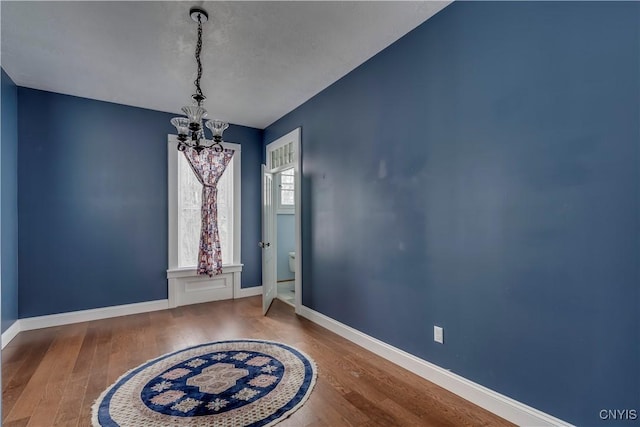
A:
<point x="438" y="334"/>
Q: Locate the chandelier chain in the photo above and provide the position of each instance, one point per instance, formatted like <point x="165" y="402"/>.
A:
<point x="200" y="97"/>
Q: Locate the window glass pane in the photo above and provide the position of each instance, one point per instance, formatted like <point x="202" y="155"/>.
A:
<point x="287" y="197"/>
<point x="189" y="201"/>
<point x="225" y="214"/>
<point x="287" y="189"/>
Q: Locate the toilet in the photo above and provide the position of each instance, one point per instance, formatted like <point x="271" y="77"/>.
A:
<point x="292" y="262"/>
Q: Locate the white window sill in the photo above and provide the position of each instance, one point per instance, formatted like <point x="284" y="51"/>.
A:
<point x="173" y="273"/>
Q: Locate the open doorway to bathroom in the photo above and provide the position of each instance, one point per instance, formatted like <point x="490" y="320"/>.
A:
<point x="282" y="222"/>
<point x="286" y="235"/>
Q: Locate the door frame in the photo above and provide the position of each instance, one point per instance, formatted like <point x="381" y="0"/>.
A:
<point x="293" y="137"/>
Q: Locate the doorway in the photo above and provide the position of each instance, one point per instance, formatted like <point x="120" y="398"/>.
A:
<point x="285" y="235"/>
<point x="281" y="218"/>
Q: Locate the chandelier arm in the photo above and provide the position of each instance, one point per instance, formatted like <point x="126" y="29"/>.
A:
<point x="217" y="147"/>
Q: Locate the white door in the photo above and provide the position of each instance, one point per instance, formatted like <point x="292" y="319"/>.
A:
<point x="269" y="290"/>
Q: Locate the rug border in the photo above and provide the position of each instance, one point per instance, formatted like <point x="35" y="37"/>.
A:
<point x="96" y="404"/>
<point x="312" y="383"/>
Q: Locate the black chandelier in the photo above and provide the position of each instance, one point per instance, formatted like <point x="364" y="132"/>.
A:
<point x="190" y="130"/>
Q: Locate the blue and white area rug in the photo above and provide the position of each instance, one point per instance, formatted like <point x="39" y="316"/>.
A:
<point x="223" y="384"/>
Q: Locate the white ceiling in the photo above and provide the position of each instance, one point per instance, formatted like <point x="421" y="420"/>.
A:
<point x="260" y="59"/>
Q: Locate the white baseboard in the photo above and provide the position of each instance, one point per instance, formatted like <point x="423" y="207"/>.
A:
<point x="248" y="292"/>
<point x="48" y="321"/>
<point x="60" y="319"/>
<point x="10" y="333"/>
<point x="501" y="405"/>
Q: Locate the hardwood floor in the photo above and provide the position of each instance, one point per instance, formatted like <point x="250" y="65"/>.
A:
<point x="52" y="376"/>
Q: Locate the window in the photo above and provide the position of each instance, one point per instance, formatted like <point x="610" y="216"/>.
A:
<point x="185" y="197"/>
<point x="286" y="195"/>
<point x="282" y="155"/>
<point x="189" y="203"/>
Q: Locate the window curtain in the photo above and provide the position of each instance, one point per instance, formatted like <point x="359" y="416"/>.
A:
<point x="209" y="165"/>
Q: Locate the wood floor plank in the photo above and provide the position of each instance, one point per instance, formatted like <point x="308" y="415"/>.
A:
<point x="17" y="423"/>
<point x="48" y="405"/>
<point x="13" y="391"/>
<point x="11" y="368"/>
<point x="68" y="413"/>
<point x="334" y="409"/>
<point x="82" y="366"/>
<point x="97" y="380"/>
<point x="53" y="376"/>
<point x="45" y="389"/>
<point x="375" y="412"/>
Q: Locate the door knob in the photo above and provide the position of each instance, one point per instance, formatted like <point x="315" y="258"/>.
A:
<point x="264" y="245"/>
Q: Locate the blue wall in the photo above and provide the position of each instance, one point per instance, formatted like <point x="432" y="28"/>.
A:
<point x="9" y="201"/>
<point x="482" y="174"/>
<point x="286" y="243"/>
<point x="93" y="203"/>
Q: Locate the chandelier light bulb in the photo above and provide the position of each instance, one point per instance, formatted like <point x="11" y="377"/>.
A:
<point x="216" y="127"/>
<point x="195" y="114"/>
<point x="182" y="125"/>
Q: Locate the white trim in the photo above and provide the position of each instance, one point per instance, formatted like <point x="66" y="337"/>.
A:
<point x="186" y="286"/>
<point x="237" y="205"/>
<point x="298" y="218"/>
<point x="172" y="190"/>
<point x="501" y="405"/>
<point x="180" y="280"/>
<point x="224" y="286"/>
<point x="10" y="333"/>
<point x="59" y="319"/>
<point x="173" y="273"/>
<point x="295" y="137"/>
<point x="39" y="322"/>
<point x="248" y="292"/>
